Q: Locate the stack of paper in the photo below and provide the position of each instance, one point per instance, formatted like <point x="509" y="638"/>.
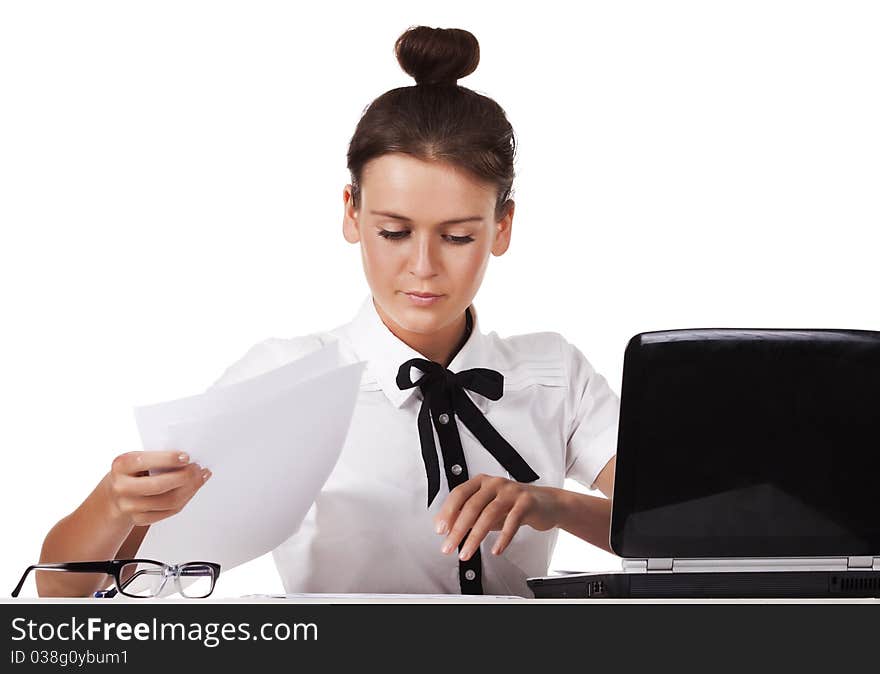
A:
<point x="270" y="441"/>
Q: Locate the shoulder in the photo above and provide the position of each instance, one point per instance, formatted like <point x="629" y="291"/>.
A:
<point x="270" y="354"/>
<point x="545" y="356"/>
<point x="547" y="348"/>
<point x="532" y="345"/>
<point x="534" y="357"/>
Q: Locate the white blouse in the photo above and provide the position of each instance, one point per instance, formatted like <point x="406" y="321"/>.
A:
<point x="370" y="529"/>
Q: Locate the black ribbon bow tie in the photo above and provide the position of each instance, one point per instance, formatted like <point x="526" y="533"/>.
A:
<point x="438" y="385"/>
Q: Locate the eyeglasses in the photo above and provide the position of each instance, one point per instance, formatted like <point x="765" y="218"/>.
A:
<point x="141" y="578"/>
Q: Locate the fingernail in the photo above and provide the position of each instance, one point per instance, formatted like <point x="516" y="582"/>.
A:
<point x="183" y="458"/>
<point x="441" y="527"/>
<point x="462" y="555"/>
<point x="206" y="474"/>
<point x="446" y="548"/>
<point x="494" y="549"/>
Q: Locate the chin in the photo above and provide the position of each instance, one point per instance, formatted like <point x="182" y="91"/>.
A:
<point x="416" y="319"/>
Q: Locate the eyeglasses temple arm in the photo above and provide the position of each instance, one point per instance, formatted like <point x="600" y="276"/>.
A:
<point x="76" y="567"/>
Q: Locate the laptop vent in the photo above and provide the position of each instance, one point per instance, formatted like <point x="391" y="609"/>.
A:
<point x="859" y="584"/>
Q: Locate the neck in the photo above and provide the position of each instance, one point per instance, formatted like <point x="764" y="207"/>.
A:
<point x="440" y="346"/>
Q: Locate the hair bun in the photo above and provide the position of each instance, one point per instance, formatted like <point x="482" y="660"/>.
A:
<point x="437" y="55"/>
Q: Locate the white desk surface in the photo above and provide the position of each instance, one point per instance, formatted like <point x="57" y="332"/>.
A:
<point x="425" y="599"/>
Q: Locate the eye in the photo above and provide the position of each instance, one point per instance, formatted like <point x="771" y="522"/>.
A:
<point x="396" y="236"/>
<point x="385" y="234"/>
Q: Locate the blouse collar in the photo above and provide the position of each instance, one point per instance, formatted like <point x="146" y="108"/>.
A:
<point x="385" y="352"/>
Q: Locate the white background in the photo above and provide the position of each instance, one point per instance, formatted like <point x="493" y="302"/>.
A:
<point x="171" y="179"/>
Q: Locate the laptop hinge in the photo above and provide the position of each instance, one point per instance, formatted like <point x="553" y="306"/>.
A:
<point x="634" y="565"/>
<point x="863" y="562"/>
<point x="660" y="564"/>
<point x="644" y="565"/>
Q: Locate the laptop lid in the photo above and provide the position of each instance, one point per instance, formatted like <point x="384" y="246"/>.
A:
<point x="749" y="443"/>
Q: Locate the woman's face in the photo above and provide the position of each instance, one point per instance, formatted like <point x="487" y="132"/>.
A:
<point x="424" y="227"/>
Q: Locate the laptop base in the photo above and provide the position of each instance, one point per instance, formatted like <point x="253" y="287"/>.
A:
<point x="736" y="584"/>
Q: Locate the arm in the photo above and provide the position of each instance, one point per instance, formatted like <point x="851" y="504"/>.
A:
<point x="588" y="517"/>
<point x="592" y="436"/>
<point x="94" y="531"/>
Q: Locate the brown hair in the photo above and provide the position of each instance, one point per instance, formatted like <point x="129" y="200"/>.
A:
<point x="436" y="119"/>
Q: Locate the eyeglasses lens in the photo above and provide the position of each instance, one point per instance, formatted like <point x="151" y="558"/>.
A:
<point x="142" y="579"/>
<point x="196" y="580"/>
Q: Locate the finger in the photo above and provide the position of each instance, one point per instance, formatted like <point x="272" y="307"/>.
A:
<point x="137" y="505"/>
<point x="492" y="515"/>
<point x="173" y="500"/>
<point x="511" y="525"/>
<point x="466" y="517"/>
<point x="150" y="485"/>
<point x="453" y="503"/>
<point x="132" y="463"/>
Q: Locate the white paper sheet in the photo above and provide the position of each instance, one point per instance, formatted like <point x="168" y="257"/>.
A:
<point x="270" y="446"/>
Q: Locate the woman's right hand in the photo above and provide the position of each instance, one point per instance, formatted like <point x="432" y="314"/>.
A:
<point x="137" y="498"/>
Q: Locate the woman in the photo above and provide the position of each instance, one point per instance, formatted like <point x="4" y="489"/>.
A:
<point x="429" y="201"/>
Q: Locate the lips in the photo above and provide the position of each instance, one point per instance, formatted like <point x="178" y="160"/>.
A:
<point x="420" y="299"/>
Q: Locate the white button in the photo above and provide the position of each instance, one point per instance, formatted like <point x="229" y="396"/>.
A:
<point x="443" y="418"/>
<point x="456" y="469"/>
<point x="469" y="574"/>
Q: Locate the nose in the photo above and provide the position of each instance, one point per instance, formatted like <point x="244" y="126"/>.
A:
<point x="422" y="262"/>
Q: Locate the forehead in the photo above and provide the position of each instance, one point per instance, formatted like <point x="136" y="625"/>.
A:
<point x="412" y="186"/>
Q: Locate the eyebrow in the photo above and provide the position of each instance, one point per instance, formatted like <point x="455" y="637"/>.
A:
<point x="454" y="221"/>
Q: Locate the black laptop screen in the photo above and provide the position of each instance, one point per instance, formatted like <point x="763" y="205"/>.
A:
<point x="749" y="443"/>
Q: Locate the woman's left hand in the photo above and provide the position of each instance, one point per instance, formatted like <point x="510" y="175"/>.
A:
<point x="488" y="503"/>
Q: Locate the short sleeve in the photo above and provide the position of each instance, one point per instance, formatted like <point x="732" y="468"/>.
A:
<point x="268" y="355"/>
<point x="593" y="410"/>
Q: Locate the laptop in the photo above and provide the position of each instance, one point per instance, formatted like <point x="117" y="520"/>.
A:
<point x="748" y="465"/>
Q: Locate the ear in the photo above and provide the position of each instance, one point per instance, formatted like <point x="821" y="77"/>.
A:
<point x="503" y="231"/>
<point x="350" y="226"/>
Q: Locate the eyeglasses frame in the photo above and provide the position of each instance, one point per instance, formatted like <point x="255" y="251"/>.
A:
<point x="113" y="567"/>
